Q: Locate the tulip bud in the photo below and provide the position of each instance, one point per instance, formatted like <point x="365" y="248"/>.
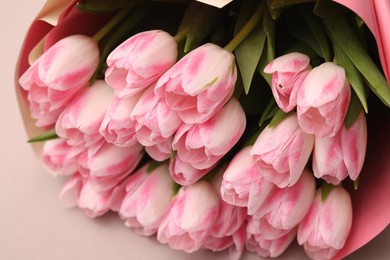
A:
<point x="323" y="100"/>
<point x="190" y="217"/>
<point x="334" y="158"/>
<point x="281" y="152"/>
<point x="288" y="72"/>
<point x="58" y="75"/>
<point x="325" y="228"/>
<point x="199" y="84"/>
<point x="139" y="61"/>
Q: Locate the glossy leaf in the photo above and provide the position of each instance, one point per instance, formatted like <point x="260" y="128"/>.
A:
<point x="345" y="36"/>
<point x="354" y="77"/>
<point x="317" y="30"/>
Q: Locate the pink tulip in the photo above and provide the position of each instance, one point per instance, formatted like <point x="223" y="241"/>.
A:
<point x="161" y="151"/>
<point x="199" y="84"/>
<point x="288" y="72"/>
<point x="281" y="152"/>
<point x="107" y="164"/>
<point x="128" y="185"/>
<point x="78" y="192"/>
<point x="184" y="173"/>
<point x="285" y="208"/>
<point x="334" y="158"/>
<point x="144" y="208"/>
<point x="94" y="203"/>
<point x="190" y="217"/>
<point x="326" y="226"/>
<point x="235" y="243"/>
<point x="242" y="183"/>
<point x="202" y="145"/>
<point x="70" y="192"/>
<point x="257" y="243"/>
<point x="139" y="61"/>
<point x="323" y="100"/>
<point x="261" y="228"/>
<point x="57" y="76"/>
<point x="154" y="121"/>
<point x="79" y="123"/>
<point x="60" y="157"/>
<point x="230" y="218"/>
<point x="117" y="127"/>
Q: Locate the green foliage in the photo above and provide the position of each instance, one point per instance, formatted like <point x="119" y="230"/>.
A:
<point x="50" y="135"/>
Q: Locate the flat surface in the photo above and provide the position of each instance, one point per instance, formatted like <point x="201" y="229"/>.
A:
<point x="33" y="225"/>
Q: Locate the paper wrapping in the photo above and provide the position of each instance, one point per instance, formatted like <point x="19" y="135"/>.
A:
<point x="371" y="211"/>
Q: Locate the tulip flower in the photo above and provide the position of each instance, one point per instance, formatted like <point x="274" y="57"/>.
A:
<point x="70" y="192"/>
<point x="154" y="121"/>
<point x="78" y="192"/>
<point x="230" y="218"/>
<point x="235" y="243"/>
<point x="60" y="157"/>
<point x="79" y="123"/>
<point x="144" y="208"/>
<point x="258" y="243"/>
<point x="184" y="173"/>
<point x="161" y="151"/>
<point x="262" y="228"/>
<point x="139" y="61"/>
<point x="94" y="203"/>
<point x="202" y="145"/>
<point x="117" y="127"/>
<point x="242" y="183"/>
<point x="281" y="152"/>
<point x="323" y="100"/>
<point x="334" y="158"/>
<point x="288" y="72"/>
<point x="128" y="185"/>
<point x="190" y="217"/>
<point x="199" y="84"/>
<point x="326" y="226"/>
<point x="107" y="164"/>
<point x="58" y="75"/>
<point x="285" y="208"/>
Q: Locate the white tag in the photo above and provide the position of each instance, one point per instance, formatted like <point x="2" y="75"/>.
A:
<point x="216" y="3"/>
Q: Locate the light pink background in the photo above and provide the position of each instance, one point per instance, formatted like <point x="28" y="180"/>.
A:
<point x="33" y="225"/>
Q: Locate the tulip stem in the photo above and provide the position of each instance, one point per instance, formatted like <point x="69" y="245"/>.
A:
<point x="248" y="27"/>
<point x="180" y="36"/>
<point x="111" y="24"/>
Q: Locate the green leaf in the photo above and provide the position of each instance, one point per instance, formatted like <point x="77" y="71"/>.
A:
<point x="248" y="52"/>
<point x="354" y="77"/>
<point x="269" y="111"/>
<point x="354" y="109"/>
<point x="269" y="29"/>
<point x="326" y="188"/>
<point x="198" y="21"/>
<point x="248" y="55"/>
<point x="99" y="6"/>
<point x="264" y="60"/>
<point x="153" y="165"/>
<point x="328" y="8"/>
<point x="317" y="30"/>
<point x="277" y="118"/>
<point x="302" y="31"/>
<point x="50" y="135"/>
<point x="344" y="35"/>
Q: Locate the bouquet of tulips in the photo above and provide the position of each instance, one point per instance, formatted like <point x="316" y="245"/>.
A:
<point x="241" y="126"/>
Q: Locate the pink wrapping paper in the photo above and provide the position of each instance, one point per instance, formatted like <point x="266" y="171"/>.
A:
<point x="370" y="201"/>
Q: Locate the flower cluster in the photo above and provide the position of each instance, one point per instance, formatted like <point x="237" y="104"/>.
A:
<point x="166" y="135"/>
